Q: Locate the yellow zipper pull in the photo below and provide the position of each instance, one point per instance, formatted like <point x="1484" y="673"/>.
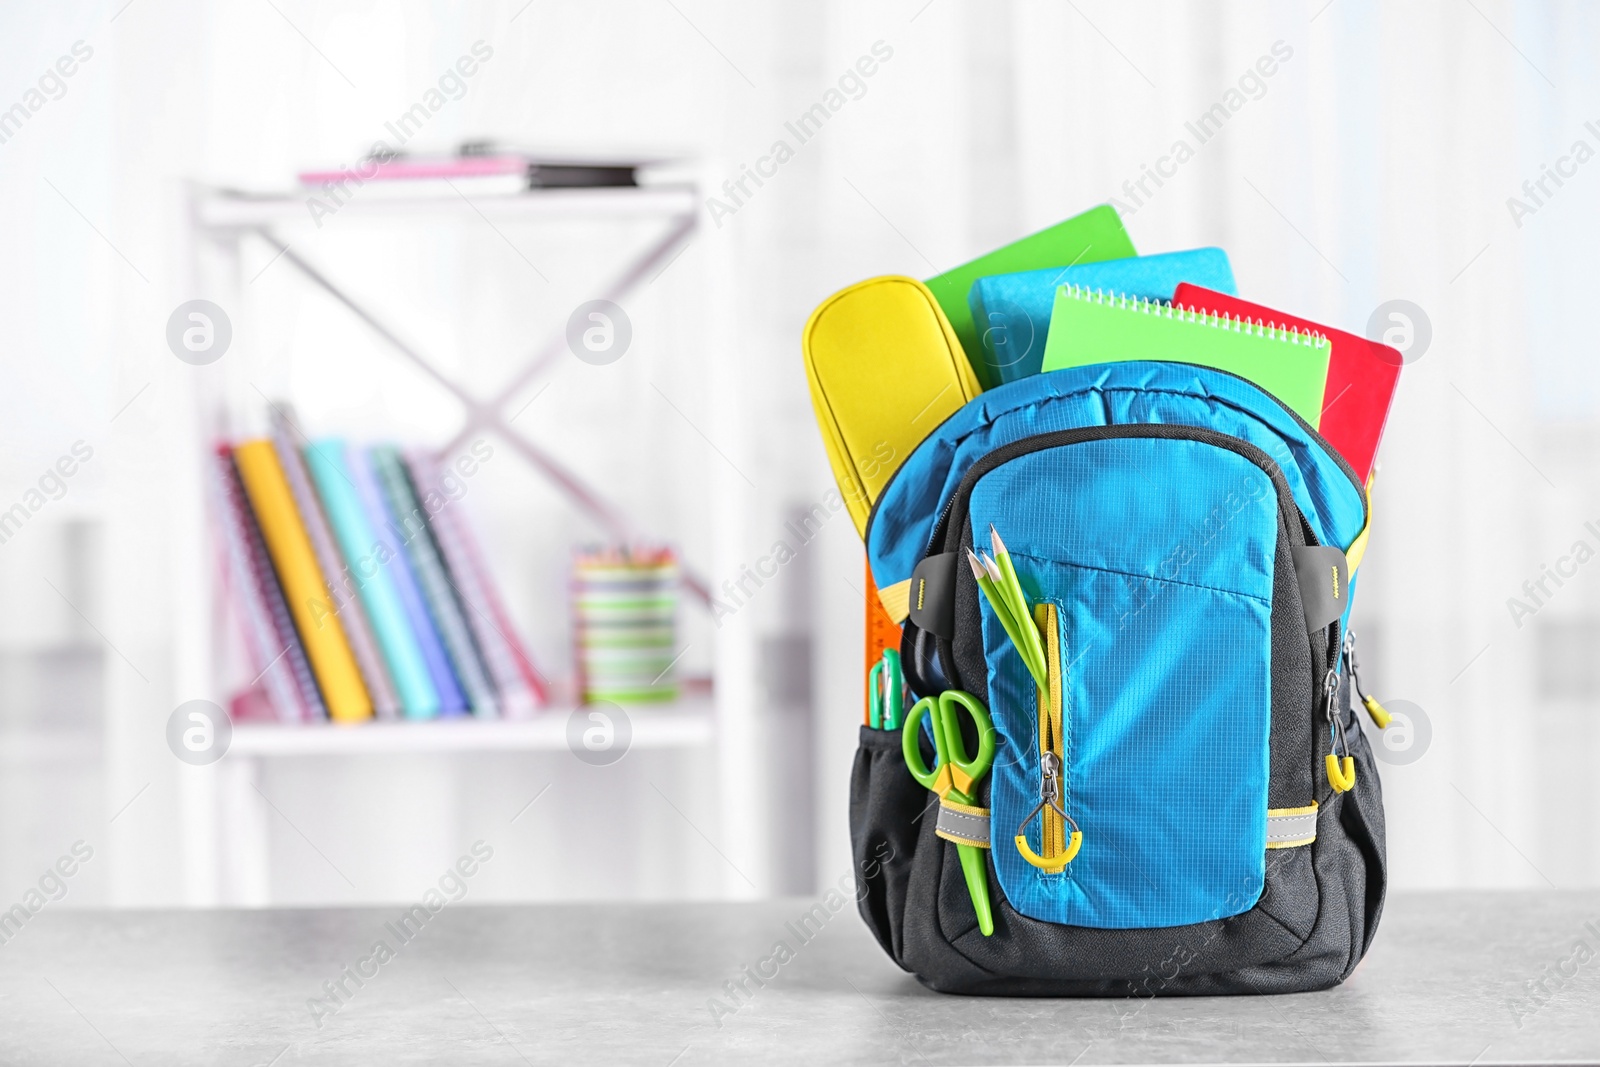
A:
<point x="1049" y="801"/>
<point x="1380" y="717"/>
<point x="1341" y="772"/>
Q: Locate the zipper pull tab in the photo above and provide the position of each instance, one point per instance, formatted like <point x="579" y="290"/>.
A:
<point x="1341" y="770"/>
<point x="1380" y="717"/>
<point x="1049" y="779"/>
<point x="1049" y="800"/>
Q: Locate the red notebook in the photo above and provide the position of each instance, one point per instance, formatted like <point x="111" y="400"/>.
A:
<point x="1362" y="375"/>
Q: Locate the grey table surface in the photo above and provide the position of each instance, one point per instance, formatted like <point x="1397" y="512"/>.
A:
<point x="1453" y="978"/>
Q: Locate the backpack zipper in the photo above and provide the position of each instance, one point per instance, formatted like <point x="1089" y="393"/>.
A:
<point x="1157" y="431"/>
<point x="1380" y="715"/>
<point x="1315" y="435"/>
<point x="1324" y="659"/>
<point x="1056" y="849"/>
<point x="1300" y="533"/>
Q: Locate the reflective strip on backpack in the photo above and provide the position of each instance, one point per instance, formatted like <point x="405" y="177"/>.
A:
<point x="1289" y="827"/>
<point x="968" y="825"/>
<point x="963" y="824"/>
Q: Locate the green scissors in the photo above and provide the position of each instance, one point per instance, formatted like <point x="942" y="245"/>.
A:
<point x="885" y="685"/>
<point x="955" y="778"/>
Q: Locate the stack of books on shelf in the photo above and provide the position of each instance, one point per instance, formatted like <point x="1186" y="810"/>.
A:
<point x="359" y="586"/>
<point x="626" y="601"/>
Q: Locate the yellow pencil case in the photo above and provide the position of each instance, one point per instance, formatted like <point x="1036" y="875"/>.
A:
<point x="885" y="369"/>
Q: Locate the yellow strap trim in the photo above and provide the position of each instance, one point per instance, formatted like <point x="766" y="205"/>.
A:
<point x="962" y="824"/>
<point x="896" y="600"/>
<point x="965" y="809"/>
<point x="1309" y="809"/>
<point x="1358" y="547"/>
<point x="1298" y="815"/>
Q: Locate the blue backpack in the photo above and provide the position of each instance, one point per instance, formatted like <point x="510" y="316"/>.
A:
<point x="1189" y="805"/>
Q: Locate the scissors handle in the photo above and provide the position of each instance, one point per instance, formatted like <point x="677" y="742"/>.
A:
<point x="955" y="747"/>
<point x="911" y="741"/>
<point x="948" y="745"/>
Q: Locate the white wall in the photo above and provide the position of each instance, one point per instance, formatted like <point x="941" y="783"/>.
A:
<point x="1376" y="165"/>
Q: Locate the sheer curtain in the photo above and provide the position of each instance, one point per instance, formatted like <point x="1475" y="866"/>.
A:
<point x="1373" y="164"/>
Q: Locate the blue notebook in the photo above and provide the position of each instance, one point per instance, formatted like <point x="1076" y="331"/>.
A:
<point x="1012" y="311"/>
<point x="438" y="592"/>
<point x="328" y="459"/>
<point x="371" y="494"/>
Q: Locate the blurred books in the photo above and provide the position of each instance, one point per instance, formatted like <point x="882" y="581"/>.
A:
<point x="359" y="587"/>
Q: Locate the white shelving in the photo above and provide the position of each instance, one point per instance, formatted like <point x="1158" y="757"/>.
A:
<point x="227" y="855"/>
<point x="224" y="209"/>
<point x="684" y="724"/>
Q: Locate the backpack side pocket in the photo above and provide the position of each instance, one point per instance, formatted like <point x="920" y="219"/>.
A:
<point x="1362" y="818"/>
<point x="885" y="805"/>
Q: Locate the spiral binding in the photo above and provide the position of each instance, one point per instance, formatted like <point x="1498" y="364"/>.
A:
<point x="1216" y="319"/>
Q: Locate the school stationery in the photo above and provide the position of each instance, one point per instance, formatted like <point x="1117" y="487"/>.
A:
<point x="991" y="583"/>
<point x="625" y="601"/>
<point x="342" y="597"/>
<point x="885" y="688"/>
<point x="1088" y="328"/>
<point x="882" y="632"/>
<point x="279" y="661"/>
<point x="440" y="591"/>
<point x="516" y="683"/>
<point x="1013" y="310"/>
<point x="371" y="569"/>
<point x="305" y="589"/>
<point x="411" y="527"/>
<point x="1095" y="235"/>
<point x="369" y="489"/>
<point x="1004" y="575"/>
<point x="954" y="780"/>
<point x="884" y="369"/>
<point x="1362" y="375"/>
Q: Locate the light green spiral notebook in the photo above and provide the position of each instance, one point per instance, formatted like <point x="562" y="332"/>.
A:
<point x="1089" y="326"/>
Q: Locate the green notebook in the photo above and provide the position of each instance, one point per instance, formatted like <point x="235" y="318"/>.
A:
<point x="1087" y="238"/>
<point x="1089" y="326"/>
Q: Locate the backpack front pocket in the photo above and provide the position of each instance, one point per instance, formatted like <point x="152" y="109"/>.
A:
<point x="1152" y="558"/>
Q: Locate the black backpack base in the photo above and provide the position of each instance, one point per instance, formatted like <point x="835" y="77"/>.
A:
<point x="1315" y="919"/>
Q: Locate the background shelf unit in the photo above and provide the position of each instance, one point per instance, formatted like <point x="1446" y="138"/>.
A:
<point x="223" y="209"/>
<point x="226" y="857"/>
